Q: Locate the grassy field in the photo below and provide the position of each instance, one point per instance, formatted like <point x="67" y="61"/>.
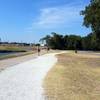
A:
<point x="15" y="51"/>
<point x="74" y="77"/>
<point x="16" y="55"/>
<point x="15" y="48"/>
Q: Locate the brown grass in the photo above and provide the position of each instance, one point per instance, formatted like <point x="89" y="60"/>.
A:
<point x="74" y="77"/>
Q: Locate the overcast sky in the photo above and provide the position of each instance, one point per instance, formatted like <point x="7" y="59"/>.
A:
<point x="29" y="20"/>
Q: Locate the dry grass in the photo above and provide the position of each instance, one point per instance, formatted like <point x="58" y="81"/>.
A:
<point x="74" y="77"/>
<point x="11" y="51"/>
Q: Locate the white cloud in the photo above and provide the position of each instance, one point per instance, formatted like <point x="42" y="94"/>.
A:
<point x="56" y="17"/>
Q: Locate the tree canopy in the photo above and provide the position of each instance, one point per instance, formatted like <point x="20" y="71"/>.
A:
<point x="92" y="18"/>
<point x="71" y="42"/>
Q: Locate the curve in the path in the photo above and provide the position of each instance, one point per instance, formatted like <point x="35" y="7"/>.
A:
<point x="24" y="81"/>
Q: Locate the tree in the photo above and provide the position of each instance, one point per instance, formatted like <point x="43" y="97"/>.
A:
<point x="65" y="41"/>
<point x="46" y="39"/>
<point x="74" y="42"/>
<point x="92" y="18"/>
<point x="57" y="41"/>
<point x="89" y="42"/>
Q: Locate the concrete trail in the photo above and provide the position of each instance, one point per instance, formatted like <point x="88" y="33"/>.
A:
<point x="24" y="81"/>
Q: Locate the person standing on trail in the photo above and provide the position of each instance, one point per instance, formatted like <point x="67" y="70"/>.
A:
<point x="76" y="51"/>
<point x="48" y="49"/>
<point x="38" y="49"/>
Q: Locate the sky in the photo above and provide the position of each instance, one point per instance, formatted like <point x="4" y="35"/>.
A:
<point x="30" y="20"/>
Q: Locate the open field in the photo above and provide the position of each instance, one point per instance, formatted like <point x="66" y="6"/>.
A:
<point x="74" y="77"/>
<point x="12" y="55"/>
<point x="10" y="51"/>
<point x="11" y="48"/>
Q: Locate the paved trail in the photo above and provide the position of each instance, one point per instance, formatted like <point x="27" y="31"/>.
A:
<point x="24" y="81"/>
<point x="17" y="60"/>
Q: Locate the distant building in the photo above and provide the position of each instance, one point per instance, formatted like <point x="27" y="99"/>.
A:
<point x="42" y="45"/>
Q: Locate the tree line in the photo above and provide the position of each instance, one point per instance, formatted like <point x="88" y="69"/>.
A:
<point x="92" y="20"/>
<point x="71" y="42"/>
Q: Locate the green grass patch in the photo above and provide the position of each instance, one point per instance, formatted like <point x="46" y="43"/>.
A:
<point x="12" y="49"/>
